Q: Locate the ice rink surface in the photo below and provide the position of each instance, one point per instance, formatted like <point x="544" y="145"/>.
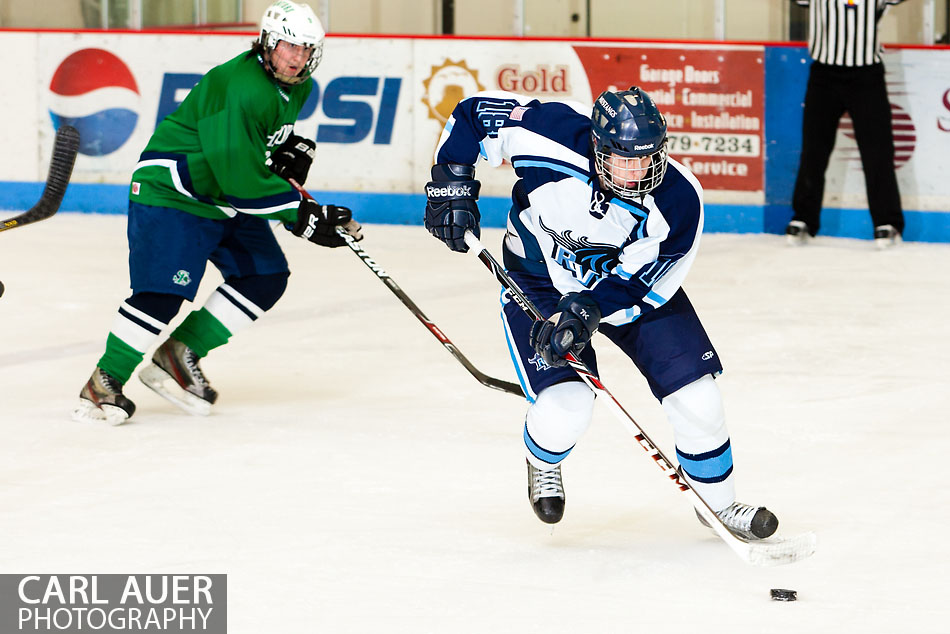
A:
<point x="355" y="478"/>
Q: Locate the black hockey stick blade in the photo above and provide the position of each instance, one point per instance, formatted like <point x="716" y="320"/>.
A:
<point x="481" y="377"/>
<point x="65" y="147"/>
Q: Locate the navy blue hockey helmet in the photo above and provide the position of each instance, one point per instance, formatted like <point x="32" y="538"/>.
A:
<point x="627" y="126"/>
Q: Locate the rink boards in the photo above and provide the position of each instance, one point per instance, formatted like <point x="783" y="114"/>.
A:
<point x="379" y="104"/>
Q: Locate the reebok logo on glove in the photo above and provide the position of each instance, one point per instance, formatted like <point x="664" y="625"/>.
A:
<point x="454" y="191"/>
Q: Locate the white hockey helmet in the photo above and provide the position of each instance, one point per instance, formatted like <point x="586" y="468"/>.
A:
<point x="297" y="24"/>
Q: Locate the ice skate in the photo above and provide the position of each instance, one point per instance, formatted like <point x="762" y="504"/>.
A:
<point x="174" y="374"/>
<point x="886" y="236"/>
<point x="101" y="399"/>
<point x="747" y="522"/>
<point x="796" y="233"/>
<point x="546" y="493"/>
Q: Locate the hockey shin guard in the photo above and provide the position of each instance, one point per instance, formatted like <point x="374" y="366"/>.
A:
<point x="556" y="421"/>
<point x="702" y="440"/>
<point x="138" y="324"/>
<point x="232" y="307"/>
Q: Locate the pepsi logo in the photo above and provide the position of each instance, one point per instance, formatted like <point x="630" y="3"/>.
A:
<point x="94" y="91"/>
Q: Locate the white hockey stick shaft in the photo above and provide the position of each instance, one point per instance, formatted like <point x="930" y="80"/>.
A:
<point x="754" y="552"/>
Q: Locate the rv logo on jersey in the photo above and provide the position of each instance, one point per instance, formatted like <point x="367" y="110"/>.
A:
<point x="587" y="261"/>
<point x="95" y="92"/>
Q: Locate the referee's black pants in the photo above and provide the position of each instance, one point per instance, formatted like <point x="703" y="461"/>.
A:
<point x="861" y="91"/>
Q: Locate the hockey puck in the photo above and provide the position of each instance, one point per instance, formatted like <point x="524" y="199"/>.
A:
<point x="1" y="289"/>
<point x="778" y="594"/>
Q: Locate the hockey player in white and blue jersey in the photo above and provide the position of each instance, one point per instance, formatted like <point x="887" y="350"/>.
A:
<point x="602" y="231"/>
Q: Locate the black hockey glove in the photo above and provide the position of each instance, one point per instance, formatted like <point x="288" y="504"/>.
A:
<point x="451" y="209"/>
<point x="568" y="330"/>
<point x="318" y="223"/>
<point x="292" y="158"/>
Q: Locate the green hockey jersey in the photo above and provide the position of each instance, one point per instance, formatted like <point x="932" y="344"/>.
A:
<point x="208" y="156"/>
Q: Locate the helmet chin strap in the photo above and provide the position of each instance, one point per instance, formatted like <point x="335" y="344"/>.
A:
<point x="602" y="180"/>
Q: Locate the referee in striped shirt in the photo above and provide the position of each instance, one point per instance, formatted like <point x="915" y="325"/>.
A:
<point x="847" y="75"/>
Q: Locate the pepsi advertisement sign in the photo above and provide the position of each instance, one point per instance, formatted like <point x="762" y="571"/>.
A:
<point x="378" y="106"/>
<point x="94" y="91"/>
<point x="116" y="88"/>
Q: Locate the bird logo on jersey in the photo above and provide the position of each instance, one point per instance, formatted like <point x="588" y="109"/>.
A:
<point x="587" y="261"/>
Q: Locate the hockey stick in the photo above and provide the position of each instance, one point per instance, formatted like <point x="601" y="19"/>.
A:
<point x="65" y="147"/>
<point x="484" y="379"/>
<point x="768" y="552"/>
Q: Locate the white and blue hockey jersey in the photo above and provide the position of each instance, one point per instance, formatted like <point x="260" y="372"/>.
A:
<point x="630" y="256"/>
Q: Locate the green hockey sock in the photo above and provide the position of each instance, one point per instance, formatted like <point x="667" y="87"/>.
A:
<point x="120" y="359"/>
<point x="202" y="332"/>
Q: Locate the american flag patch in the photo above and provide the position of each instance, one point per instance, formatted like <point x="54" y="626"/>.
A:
<point x="517" y="112"/>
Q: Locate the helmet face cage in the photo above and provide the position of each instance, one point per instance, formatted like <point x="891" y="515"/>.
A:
<point x="628" y="124"/>
<point x="296" y="24"/>
<point x="614" y="177"/>
<point x="270" y="41"/>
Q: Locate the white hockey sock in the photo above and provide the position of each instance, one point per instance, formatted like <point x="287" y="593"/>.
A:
<point x="555" y="421"/>
<point x="702" y="441"/>
<point x="232" y="309"/>
<point x="135" y="328"/>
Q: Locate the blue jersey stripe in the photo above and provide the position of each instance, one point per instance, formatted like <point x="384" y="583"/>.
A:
<point x="543" y="454"/>
<point x="636" y="211"/>
<point x="532" y="250"/>
<point x="515" y="359"/>
<point x="520" y="162"/>
<point x="656" y="298"/>
<point x="707" y="467"/>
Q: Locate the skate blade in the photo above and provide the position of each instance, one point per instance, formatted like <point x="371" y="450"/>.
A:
<point x="87" y="412"/>
<point x="771" y="551"/>
<point x="797" y="241"/>
<point x="776" y="551"/>
<point x="163" y="384"/>
<point x="883" y="244"/>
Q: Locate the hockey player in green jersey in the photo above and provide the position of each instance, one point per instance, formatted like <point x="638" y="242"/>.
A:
<point x="212" y="175"/>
